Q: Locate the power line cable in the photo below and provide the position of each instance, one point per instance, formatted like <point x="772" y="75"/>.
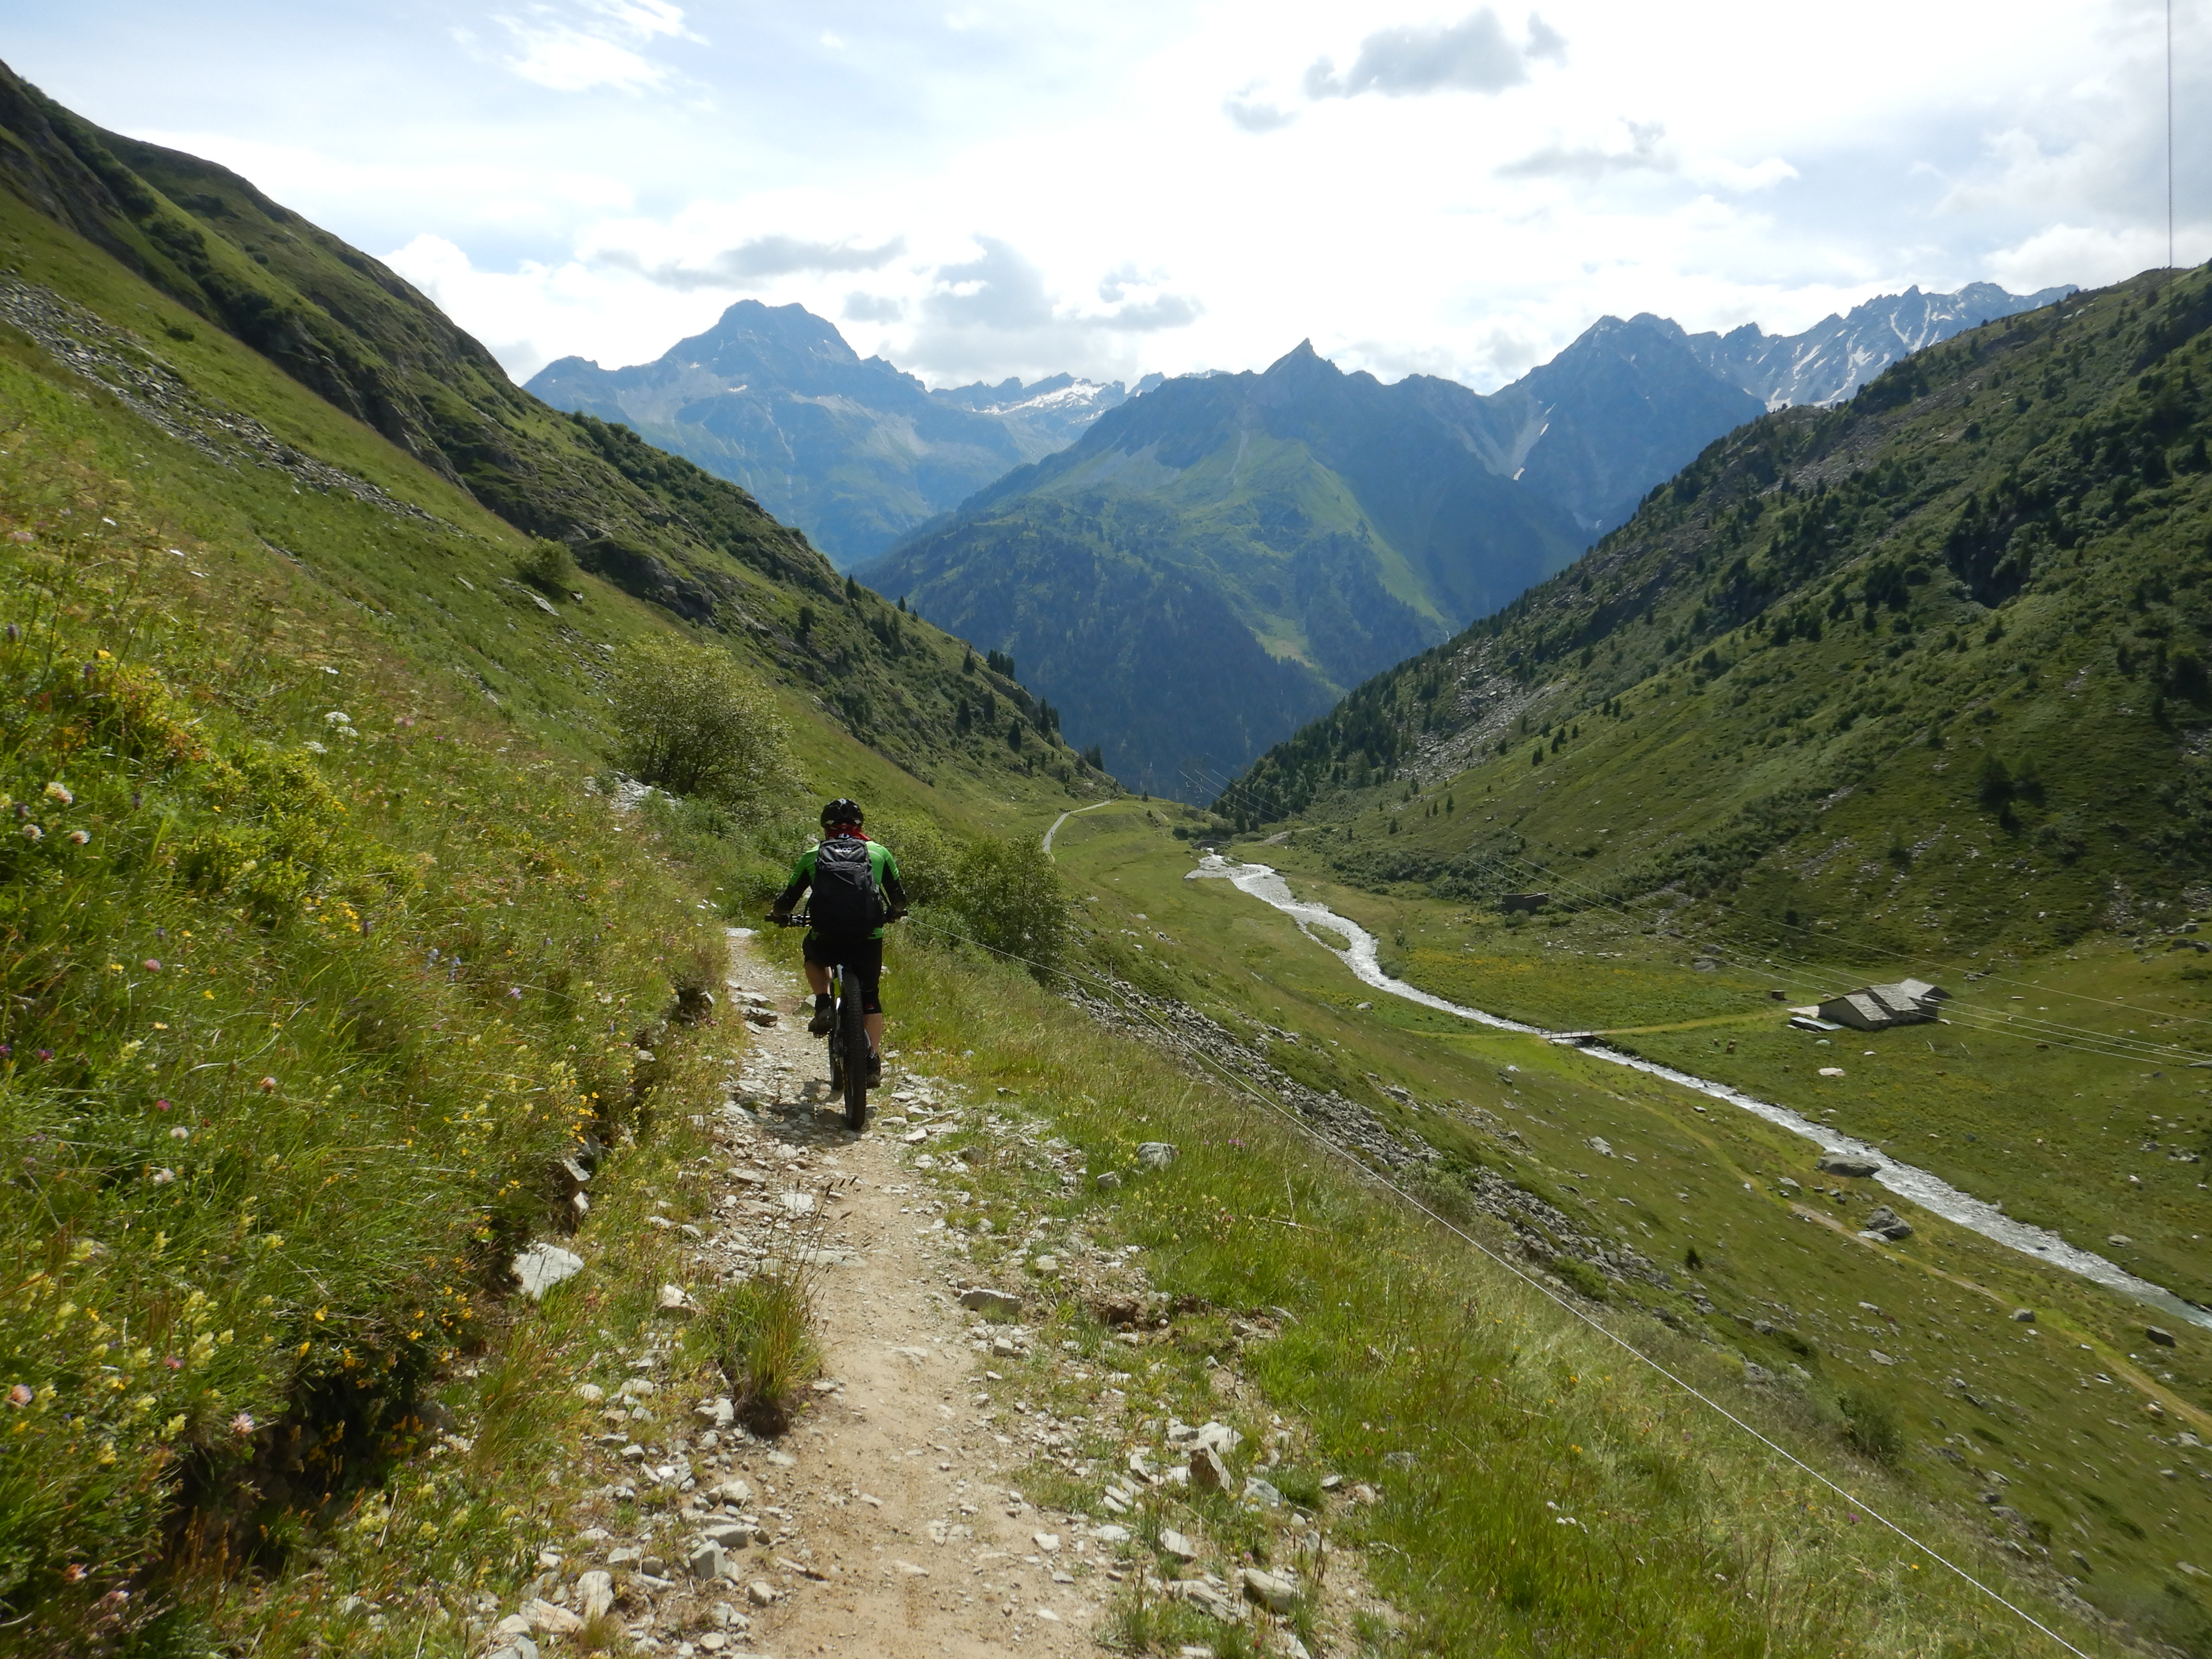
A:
<point x="1298" y="1123"/>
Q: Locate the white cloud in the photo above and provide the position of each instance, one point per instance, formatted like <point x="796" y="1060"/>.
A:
<point x="1473" y="55"/>
<point x="997" y="307"/>
<point x="756" y="264"/>
<point x="1471" y="231"/>
<point x="595" y="43"/>
<point x="1562" y="161"/>
<point x="2080" y="253"/>
<point x="1254" y="114"/>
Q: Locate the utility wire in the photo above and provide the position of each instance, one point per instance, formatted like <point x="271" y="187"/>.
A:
<point x="1266" y="1100"/>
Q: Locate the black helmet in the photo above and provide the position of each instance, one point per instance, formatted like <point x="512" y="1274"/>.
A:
<point x="841" y="811"/>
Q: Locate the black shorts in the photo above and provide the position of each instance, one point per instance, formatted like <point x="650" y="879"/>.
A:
<point x="862" y="958"/>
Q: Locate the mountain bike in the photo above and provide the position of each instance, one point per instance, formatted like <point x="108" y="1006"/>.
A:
<point x="848" y="1038"/>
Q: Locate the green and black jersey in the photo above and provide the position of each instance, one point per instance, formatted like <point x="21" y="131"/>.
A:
<point x="881" y="864"/>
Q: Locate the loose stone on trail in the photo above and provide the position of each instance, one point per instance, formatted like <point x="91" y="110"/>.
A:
<point x="542" y="1267"/>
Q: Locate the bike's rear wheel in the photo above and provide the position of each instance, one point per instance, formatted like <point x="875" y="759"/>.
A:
<point x="852" y="1036"/>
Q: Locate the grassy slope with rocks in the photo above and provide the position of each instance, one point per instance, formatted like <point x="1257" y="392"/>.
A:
<point x="2070" y="1447"/>
<point x="1478" y="1413"/>
<point x="321" y="949"/>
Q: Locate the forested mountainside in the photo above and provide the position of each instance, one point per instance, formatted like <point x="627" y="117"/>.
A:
<point x="355" y="333"/>
<point x="855" y="450"/>
<point x="1934" y="660"/>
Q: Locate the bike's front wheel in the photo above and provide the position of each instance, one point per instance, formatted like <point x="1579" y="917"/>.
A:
<point x="853" y="1039"/>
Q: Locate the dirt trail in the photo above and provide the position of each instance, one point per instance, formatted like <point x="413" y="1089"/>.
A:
<point x="893" y="1482"/>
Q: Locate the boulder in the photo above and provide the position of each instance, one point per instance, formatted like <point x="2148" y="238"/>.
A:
<point x="1156" y="1154"/>
<point x="1837" y="1164"/>
<point x="1207" y="1472"/>
<point x="991" y="1304"/>
<point x="1271" y="1590"/>
<point x="2023" y="1315"/>
<point x="2159" y="1334"/>
<point x="542" y="1267"/>
<point x="1261" y="1492"/>
<point x="1219" y="1436"/>
<point x="1209" y="1598"/>
<point x="675" y="1299"/>
<point x="595" y="1593"/>
<point x="1885" y="1222"/>
<point x="547" y="1620"/>
<point x="706" y="1560"/>
<point x="1175" y="1544"/>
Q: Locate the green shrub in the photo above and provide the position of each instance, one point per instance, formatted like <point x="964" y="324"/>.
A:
<point x="1007" y="897"/>
<point x="1871" y="1426"/>
<point x="693" y="722"/>
<point x="548" y="565"/>
<point x="1583" y="1276"/>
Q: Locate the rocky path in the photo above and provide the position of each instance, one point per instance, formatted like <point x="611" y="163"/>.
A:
<point x="886" y="1520"/>
<point x="881" y="1522"/>
<point x="911" y="1544"/>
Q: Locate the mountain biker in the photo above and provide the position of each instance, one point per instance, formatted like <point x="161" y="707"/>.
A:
<point x="856" y="890"/>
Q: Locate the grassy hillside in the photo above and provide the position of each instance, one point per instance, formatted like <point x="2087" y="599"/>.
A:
<point x="1928" y="667"/>
<point x="227" y="266"/>
<point x="1701" y="1233"/>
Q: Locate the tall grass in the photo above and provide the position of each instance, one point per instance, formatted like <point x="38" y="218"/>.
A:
<point x="304" y="992"/>
<point x="1540" y="1491"/>
<point x="761" y="1333"/>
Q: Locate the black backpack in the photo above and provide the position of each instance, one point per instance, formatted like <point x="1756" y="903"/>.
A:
<point x="846" y="899"/>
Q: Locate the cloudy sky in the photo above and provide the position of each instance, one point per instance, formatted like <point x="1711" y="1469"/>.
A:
<point x="996" y="187"/>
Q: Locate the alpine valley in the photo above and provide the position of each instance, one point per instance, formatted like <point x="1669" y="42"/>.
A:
<point x="1215" y="562"/>
<point x="429" y="1235"/>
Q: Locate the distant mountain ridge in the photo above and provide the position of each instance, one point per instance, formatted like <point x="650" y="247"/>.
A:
<point x="1837" y="355"/>
<point x="1208" y="559"/>
<point x="1228" y="549"/>
<point x="853" y="450"/>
